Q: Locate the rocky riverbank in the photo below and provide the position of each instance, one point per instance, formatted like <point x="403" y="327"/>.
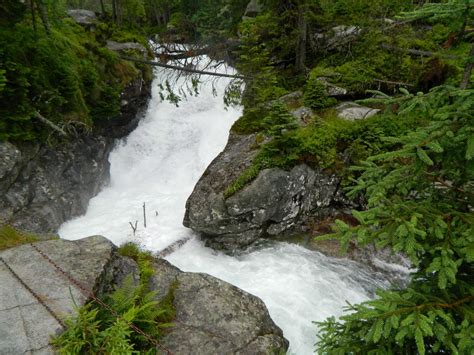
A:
<point x="44" y="185"/>
<point x="212" y="316"/>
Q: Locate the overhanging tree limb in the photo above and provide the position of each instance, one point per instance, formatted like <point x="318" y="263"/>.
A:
<point x="183" y="69"/>
<point x="419" y="52"/>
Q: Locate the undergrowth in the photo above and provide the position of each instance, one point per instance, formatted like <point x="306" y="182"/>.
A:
<point x="68" y="76"/>
<point x="328" y="143"/>
<point x="95" y="330"/>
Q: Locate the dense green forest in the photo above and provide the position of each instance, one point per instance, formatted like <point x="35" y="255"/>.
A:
<point x="413" y="162"/>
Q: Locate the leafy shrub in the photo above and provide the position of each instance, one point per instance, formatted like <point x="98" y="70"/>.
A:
<point x="278" y="120"/>
<point x="95" y="329"/>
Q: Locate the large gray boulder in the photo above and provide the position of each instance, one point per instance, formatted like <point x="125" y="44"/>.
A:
<point x="212" y="316"/>
<point x="351" y="111"/>
<point x="85" y="18"/>
<point x="276" y="203"/>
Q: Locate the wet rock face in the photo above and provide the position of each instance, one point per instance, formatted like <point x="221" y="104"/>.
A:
<point x="43" y="186"/>
<point x="277" y="202"/>
<point x="212" y="316"/>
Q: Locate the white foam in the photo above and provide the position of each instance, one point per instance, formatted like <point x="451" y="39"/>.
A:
<point x="159" y="163"/>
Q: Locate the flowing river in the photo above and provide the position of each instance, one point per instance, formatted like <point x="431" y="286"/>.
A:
<point x="158" y="164"/>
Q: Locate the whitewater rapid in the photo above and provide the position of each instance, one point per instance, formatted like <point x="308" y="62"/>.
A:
<point x="158" y="164"/>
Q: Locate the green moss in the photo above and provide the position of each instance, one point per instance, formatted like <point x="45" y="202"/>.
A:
<point x="356" y="76"/>
<point x="246" y="177"/>
<point x="326" y="144"/>
<point x="250" y="121"/>
<point x="68" y="76"/>
<point x="143" y="258"/>
<point x="11" y="237"/>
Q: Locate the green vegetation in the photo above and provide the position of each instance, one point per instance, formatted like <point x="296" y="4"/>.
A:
<point x="143" y="258"/>
<point x="315" y="95"/>
<point x="10" y="237"/>
<point x="420" y="197"/>
<point x="64" y="73"/>
<point x="95" y="329"/>
<point x="414" y="162"/>
<point x="328" y="143"/>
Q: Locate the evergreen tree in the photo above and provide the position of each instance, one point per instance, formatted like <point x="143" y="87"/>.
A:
<point x="421" y="203"/>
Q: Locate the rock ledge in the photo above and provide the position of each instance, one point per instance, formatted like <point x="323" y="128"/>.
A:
<point x="212" y="316"/>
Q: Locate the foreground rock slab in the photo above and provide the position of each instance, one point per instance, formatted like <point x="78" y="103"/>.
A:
<point x="26" y="326"/>
<point x="212" y="316"/>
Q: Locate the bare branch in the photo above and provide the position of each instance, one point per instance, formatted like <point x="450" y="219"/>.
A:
<point x="183" y="68"/>
<point x="50" y="124"/>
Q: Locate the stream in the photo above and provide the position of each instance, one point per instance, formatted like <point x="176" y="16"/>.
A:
<point x="158" y="164"/>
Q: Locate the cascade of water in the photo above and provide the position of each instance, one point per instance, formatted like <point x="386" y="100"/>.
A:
<point x="159" y="163"/>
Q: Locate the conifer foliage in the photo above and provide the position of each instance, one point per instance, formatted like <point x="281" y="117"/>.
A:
<point x="421" y="203"/>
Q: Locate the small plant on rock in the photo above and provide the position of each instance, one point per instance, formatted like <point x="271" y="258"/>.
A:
<point x="315" y="95"/>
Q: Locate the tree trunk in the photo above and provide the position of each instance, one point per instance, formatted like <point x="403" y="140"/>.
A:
<point x="302" y="36"/>
<point x="33" y="14"/>
<point x="114" y="10"/>
<point x="468" y="69"/>
<point x="102" y="8"/>
<point x="43" y="12"/>
<point x="119" y="12"/>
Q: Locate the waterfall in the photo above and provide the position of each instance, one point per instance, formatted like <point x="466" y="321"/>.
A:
<point x="159" y="164"/>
